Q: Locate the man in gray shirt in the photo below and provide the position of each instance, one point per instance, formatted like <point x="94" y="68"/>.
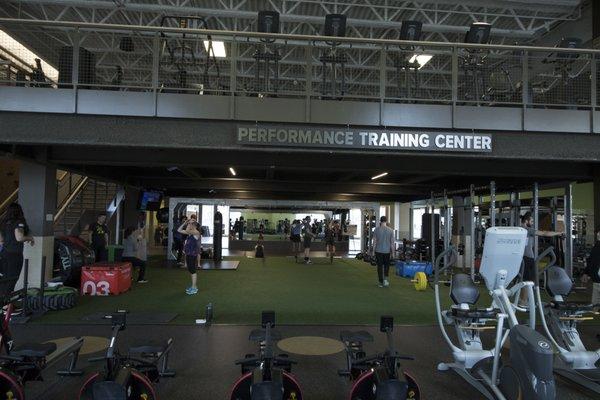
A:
<point x="529" y="256"/>
<point x="383" y="244"/>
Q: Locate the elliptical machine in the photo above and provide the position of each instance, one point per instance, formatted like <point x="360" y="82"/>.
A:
<point x="130" y="376"/>
<point x="266" y="376"/>
<point x="560" y="319"/>
<point x="528" y="374"/>
<point x="380" y="376"/>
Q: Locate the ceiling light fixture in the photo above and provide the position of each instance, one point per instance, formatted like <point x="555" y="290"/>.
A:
<point x="232" y="171"/>
<point x="379" y="176"/>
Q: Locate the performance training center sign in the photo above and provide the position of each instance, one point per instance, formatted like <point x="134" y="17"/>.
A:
<point x="362" y="139"/>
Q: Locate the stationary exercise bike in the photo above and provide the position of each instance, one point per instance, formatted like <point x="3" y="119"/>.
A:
<point x="23" y="363"/>
<point x="380" y="376"/>
<point x="266" y="376"/>
<point x="131" y="376"/>
<point x="528" y="374"/>
<point x="560" y="318"/>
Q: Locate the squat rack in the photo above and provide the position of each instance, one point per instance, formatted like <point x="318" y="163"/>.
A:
<point x="474" y="197"/>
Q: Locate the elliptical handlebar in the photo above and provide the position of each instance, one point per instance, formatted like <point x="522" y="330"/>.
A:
<point x="538" y="296"/>
<point x="548" y="252"/>
<point x="450" y="250"/>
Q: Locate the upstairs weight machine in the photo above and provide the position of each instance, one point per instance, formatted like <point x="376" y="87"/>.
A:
<point x="267" y="55"/>
<point x="189" y="53"/>
<point x="334" y="59"/>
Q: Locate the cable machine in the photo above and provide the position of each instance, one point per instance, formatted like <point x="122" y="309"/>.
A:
<point x="190" y="52"/>
<point x="266" y="55"/>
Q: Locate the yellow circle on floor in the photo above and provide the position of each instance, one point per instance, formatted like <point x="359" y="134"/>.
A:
<point x="91" y="344"/>
<point x="311" y="345"/>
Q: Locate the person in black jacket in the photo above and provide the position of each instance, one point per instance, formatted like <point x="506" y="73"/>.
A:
<point x="15" y="233"/>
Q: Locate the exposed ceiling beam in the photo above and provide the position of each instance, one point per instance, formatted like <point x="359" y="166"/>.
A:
<point x="251" y="15"/>
<point x="283" y="186"/>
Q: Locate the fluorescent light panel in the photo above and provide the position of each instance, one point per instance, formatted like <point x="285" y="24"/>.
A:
<point x="379" y="176"/>
<point x="218" y="48"/>
<point x="422" y="59"/>
<point x="232" y="171"/>
<point x="24" y="55"/>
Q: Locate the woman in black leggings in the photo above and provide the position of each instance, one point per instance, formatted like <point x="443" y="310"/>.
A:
<point x="14" y="232"/>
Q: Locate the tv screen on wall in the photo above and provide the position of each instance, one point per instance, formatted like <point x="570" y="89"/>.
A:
<point x="150" y="200"/>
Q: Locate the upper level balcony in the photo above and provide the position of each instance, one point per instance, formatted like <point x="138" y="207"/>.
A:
<point x="224" y="75"/>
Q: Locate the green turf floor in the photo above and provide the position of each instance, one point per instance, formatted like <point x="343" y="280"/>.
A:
<point x="344" y="292"/>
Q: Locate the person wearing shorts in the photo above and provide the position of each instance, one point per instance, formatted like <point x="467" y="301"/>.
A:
<point x="190" y="249"/>
<point x="296" y="231"/>
<point x="332" y="231"/>
<point x="308" y="237"/>
<point x="529" y="256"/>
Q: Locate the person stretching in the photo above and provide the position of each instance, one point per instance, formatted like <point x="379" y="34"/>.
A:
<point x="190" y="249"/>
<point x="383" y="243"/>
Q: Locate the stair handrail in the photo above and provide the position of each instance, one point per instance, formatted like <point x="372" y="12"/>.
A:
<point x="70" y="198"/>
<point x="10" y="199"/>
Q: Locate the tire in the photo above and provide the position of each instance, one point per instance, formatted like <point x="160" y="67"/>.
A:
<point x="510" y="384"/>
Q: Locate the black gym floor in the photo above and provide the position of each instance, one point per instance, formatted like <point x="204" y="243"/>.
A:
<point x="204" y="359"/>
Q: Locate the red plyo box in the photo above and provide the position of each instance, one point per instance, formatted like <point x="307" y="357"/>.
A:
<point x="103" y="279"/>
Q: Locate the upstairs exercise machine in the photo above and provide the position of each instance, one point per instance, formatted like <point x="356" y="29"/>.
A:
<point x="191" y="53"/>
<point x="267" y="55"/>
<point x="333" y="59"/>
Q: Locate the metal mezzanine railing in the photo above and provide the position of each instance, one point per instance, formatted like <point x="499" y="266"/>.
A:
<point x="176" y="60"/>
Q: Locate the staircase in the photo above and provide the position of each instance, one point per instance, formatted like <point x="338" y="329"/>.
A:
<point x="83" y="206"/>
<point x="79" y="199"/>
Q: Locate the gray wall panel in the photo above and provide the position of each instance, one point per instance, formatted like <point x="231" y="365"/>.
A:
<point x="494" y="118"/>
<point x="107" y="102"/>
<point x="37" y="100"/>
<point x="173" y="105"/>
<point x="418" y="116"/>
<point x="344" y="112"/>
<point x="269" y="109"/>
<point x="596" y="116"/>
<point x="548" y="120"/>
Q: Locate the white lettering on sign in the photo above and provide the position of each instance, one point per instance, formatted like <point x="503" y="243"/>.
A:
<point x="275" y="135"/>
<point x="100" y="288"/>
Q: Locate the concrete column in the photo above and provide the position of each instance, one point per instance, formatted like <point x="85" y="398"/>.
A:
<point x="131" y="214"/>
<point x="596" y="199"/>
<point x="37" y="196"/>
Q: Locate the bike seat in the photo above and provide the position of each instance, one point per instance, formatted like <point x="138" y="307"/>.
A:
<point x="108" y="390"/>
<point x="149" y="348"/>
<point x="391" y="389"/>
<point x="475" y="313"/>
<point x="267" y="391"/>
<point x="33" y="350"/>
<point x="259" y="335"/>
<point x="357" y="336"/>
